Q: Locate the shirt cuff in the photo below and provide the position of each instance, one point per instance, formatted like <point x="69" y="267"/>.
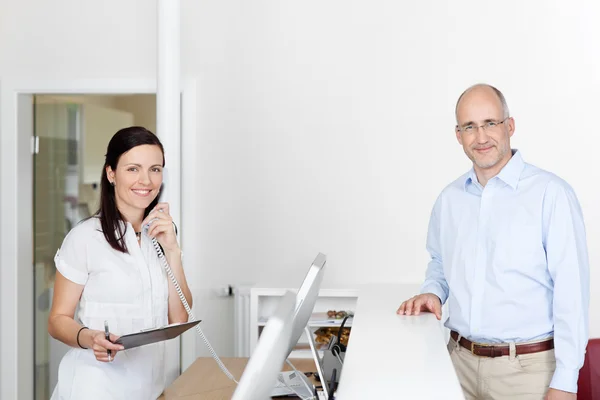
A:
<point x="565" y="380"/>
<point x="435" y="289"/>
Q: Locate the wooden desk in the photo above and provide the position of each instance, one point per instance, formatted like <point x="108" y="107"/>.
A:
<point x="203" y="380"/>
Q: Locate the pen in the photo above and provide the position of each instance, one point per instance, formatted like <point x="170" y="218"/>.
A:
<point x="107" y="336"/>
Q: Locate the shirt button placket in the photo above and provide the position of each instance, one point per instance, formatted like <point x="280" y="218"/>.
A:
<point x="481" y="261"/>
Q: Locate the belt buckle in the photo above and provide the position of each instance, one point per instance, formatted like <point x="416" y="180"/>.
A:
<point x="473" y="344"/>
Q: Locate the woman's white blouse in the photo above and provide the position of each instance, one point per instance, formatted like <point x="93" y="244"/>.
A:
<point x="130" y="292"/>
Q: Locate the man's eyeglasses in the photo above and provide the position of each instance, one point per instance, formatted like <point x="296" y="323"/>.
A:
<point x="489" y="126"/>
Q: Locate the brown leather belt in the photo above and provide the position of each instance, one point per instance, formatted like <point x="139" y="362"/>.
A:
<point x="499" y="350"/>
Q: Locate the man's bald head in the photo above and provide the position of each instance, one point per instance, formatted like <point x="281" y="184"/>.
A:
<point x="483" y="86"/>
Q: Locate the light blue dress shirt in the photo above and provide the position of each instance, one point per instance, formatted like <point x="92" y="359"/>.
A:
<point x="511" y="260"/>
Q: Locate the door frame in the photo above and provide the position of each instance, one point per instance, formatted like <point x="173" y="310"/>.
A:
<point x="16" y="218"/>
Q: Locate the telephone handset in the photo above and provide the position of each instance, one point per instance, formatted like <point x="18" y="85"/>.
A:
<point x="165" y="264"/>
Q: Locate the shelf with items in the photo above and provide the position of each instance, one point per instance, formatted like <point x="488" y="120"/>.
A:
<point x="254" y="306"/>
<point x="302" y="348"/>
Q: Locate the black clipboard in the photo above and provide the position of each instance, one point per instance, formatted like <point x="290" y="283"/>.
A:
<point x="155" y="335"/>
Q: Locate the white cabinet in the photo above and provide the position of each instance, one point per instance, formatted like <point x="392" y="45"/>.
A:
<point x="253" y="306"/>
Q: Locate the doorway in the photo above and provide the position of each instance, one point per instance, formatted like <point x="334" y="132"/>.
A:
<point x="71" y="134"/>
<point x="17" y="144"/>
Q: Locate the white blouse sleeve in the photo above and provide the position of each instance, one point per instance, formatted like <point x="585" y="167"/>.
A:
<point x="71" y="258"/>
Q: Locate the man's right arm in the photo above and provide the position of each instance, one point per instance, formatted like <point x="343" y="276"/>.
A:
<point x="435" y="280"/>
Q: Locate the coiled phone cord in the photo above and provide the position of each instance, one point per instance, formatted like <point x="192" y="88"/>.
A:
<point x="165" y="264"/>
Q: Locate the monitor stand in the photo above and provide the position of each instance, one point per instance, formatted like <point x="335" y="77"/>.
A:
<point x="297" y="381"/>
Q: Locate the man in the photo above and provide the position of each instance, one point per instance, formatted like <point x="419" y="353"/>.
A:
<point x="508" y="253"/>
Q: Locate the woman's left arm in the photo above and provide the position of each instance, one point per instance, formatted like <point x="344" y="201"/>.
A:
<point x="163" y="230"/>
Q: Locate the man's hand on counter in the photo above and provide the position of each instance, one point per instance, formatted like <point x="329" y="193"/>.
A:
<point x="426" y="302"/>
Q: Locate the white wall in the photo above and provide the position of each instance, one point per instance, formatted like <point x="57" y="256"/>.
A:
<point x="70" y="38"/>
<point x="328" y="126"/>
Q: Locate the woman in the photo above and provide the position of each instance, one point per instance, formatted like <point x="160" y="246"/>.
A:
<point x="108" y="267"/>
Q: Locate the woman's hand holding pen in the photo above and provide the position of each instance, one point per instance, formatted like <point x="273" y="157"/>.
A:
<point x="161" y="227"/>
<point x="97" y="342"/>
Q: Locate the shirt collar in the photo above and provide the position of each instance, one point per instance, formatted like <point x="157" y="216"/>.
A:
<point x="510" y="174"/>
<point x="471" y="178"/>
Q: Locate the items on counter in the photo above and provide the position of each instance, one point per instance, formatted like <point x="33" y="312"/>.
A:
<point x="323" y="335"/>
<point x="337" y="314"/>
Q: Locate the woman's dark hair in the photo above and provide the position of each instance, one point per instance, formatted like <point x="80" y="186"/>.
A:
<point x="110" y="216"/>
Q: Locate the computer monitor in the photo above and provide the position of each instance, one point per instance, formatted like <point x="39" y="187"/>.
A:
<point x="280" y="336"/>
<point x="306" y="298"/>
<point x="269" y="355"/>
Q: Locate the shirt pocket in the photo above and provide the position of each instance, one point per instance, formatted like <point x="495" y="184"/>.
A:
<point x="121" y="318"/>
